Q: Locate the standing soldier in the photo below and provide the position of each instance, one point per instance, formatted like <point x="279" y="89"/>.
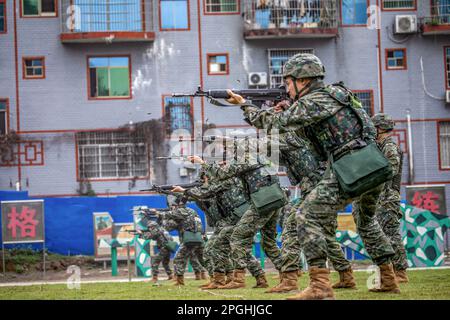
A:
<point x="334" y="121"/>
<point x="189" y="229"/>
<point x="165" y="245"/>
<point x="388" y="207"/>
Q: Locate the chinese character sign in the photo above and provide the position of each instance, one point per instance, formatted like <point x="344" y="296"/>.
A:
<point x="22" y="221"/>
<point x="431" y="198"/>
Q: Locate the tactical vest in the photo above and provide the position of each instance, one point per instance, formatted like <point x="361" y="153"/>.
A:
<point x="234" y="200"/>
<point x="333" y="134"/>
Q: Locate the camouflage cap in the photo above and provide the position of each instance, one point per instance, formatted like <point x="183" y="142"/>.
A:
<point x="383" y="121"/>
<point x="304" y="65"/>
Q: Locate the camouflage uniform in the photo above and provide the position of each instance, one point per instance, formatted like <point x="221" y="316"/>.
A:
<point x="184" y="219"/>
<point x="162" y="237"/>
<point x="317" y="215"/>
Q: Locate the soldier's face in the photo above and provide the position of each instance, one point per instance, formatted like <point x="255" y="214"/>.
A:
<point x="290" y="86"/>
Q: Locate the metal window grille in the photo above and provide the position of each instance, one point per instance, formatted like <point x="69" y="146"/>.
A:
<point x="444" y="138"/>
<point x="34" y="68"/>
<point x="399" y="4"/>
<point x="366" y="100"/>
<point x="111" y="154"/>
<point x="178" y="114"/>
<point x="221" y="6"/>
<point x="396" y="59"/>
<point x="277" y="59"/>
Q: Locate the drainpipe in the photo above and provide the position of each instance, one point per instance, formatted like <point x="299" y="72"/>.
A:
<point x="410" y="148"/>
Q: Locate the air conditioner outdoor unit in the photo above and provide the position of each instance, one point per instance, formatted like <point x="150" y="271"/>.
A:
<point x="447" y="96"/>
<point x="405" y="24"/>
<point x="257" y="79"/>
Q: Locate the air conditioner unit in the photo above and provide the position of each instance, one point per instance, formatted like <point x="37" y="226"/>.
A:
<point x="447" y="96"/>
<point x="257" y="79"/>
<point x="405" y="24"/>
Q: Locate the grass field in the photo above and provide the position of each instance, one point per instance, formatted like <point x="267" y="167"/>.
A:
<point x="424" y="284"/>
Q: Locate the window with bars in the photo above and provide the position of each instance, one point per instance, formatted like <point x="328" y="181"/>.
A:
<point x="447" y="66"/>
<point x="111" y="154"/>
<point x="221" y="6"/>
<point x="39" y="8"/>
<point x="2" y="16"/>
<point x="109" y="77"/>
<point x="396" y="59"/>
<point x="3" y="118"/>
<point x="277" y="59"/>
<point x="178" y="114"/>
<point x="34" y="68"/>
<point x="366" y="98"/>
<point x="398" y="4"/>
<point x="444" y="144"/>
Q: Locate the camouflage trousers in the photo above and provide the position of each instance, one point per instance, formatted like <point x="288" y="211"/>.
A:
<point x="163" y="257"/>
<point x="182" y="256"/>
<point x="317" y="220"/>
<point x="390" y="224"/>
<point x="245" y="231"/>
<point x="208" y="252"/>
<point x="195" y="263"/>
<point x="290" y="248"/>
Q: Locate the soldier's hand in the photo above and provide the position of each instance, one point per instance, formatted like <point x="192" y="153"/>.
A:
<point x="282" y="106"/>
<point x="235" y="98"/>
<point x="178" y="189"/>
<point x="195" y="159"/>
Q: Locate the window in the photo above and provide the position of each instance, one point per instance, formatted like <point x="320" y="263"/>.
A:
<point x="2" y="16"/>
<point x="354" y="12"/>
<point x="178" y="114"/>
<point x="3" y="117"/>
<point x="218" y="64"/>
<point x="34" y="68"/>
<point x="366" y="98"/>
<point x="277" y="59"/>
<point x="174" y="14"/>
<point x="221" y="6"/>
<point x="447" y="66"/>
<point x="109" y="15"/>
<point x="111" y="154"/>
<point x="398" y="4"/>
<point x="39" y="8"/>
<point x="109" y="77"/>
<point x="396" y="59"/>
<point x="444" y="144"/>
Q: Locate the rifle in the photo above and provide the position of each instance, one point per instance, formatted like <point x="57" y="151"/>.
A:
<point x="254" y="95"/>
<point x="167" y="187"/>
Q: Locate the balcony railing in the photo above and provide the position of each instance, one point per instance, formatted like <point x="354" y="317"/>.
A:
<point x="439" y="20"/>
<point x="106" y="20"/>
<point x="290" y="19"/>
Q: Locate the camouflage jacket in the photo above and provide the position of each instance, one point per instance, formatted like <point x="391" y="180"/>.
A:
<point x="182" y="219"/>
<point x="156" y="233"/>
<point x="325" y="116"/>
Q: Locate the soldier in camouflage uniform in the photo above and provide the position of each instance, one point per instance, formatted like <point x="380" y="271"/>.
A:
<point x="162" y="238"/>
<point x="304" y="169"/>
<point x="185" y="221"/>
<point x="388" y="207"/>
<point x="230" y="195"/>
<point x="333" y="120"/>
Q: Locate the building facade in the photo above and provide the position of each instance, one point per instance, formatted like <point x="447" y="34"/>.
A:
<point x="78" y="76"/>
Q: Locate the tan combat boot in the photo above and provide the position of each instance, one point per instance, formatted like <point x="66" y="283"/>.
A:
<point x="155" y="279"/>
<point x="210" y="280"/>
<point x="346" y="280"/>
<point x="218" y="281"/>
<point x="261" y="282"/>
<point x="203" y="275"/>
<point x="319" y="286"/>
<point x="230" y="277"/>
<point x="288" y="283"/>
<point x="388" y="280"/>
<point x="179" y="280"/>
<point x="401" y="275"/>
<point x="238" y="280"/>
<point x="198" y="276"/>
